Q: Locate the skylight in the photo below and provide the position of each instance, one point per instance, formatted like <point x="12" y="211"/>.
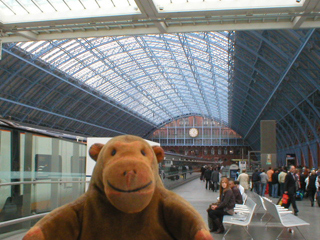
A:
<point x="157" y="76"/>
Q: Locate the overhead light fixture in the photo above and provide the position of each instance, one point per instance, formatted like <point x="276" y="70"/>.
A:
<point x="161" y="8"/>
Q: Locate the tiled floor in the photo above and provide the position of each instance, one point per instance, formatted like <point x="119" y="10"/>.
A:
<point x="200" y="198"/>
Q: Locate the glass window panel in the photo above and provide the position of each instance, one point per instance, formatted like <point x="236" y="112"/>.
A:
<point x="5" y="165"/>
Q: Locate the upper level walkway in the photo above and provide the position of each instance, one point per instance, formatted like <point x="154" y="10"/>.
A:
<point x="195" y="192"/>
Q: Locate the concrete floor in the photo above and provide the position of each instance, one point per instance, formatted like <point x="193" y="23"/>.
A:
<point x="195" y="192"/>
<point x="200" y="198"/>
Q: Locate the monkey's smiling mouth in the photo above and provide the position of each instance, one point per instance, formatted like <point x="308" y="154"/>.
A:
<point x="129" y="191"/>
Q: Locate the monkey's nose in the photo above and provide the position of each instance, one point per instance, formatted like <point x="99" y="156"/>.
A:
<point x="131" y="172"/>
<point x="131" y="177"/>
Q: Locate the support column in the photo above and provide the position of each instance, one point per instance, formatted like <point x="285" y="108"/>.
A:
<point x="268" y="144"/>
<point x="75" y="171"/>
<point x="15" y="163"/>
<point x="55" y="170"/>
<point x="27" y="176"/>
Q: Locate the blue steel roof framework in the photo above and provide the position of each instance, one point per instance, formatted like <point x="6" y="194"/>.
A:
<point x="30" y="93"/>
<point x="153" y="77"/>
<point x="277" y="76"/>
<point x="273" y="75"/>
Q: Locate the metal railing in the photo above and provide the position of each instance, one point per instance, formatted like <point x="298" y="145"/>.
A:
<point x="23" y="219"/>
<point x="40" y="182"/>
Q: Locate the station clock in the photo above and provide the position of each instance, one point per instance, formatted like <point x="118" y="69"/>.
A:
<point x="193" y="132"/>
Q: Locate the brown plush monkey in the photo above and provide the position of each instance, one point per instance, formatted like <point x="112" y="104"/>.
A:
<point x="126" y="200"/>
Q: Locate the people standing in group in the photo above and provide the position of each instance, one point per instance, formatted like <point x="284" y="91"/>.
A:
<point x="244" y="180"/>
<point x="275" y="183"/>
<point x="290" y="188"/>
<point x="269" y="173"/>
<point x="225" y="206"/>
<point x="215" y="178"/>
<point x="281" y="178"/>
<point x="256" y="181"/>
<point x="207" y="176"/>
<point x="263" y="180"/>
<point x="236" y="192"/>
<point x="311" y="186"/>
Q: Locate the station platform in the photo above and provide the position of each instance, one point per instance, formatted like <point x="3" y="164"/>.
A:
<point x="194" y="191"/>
<point x="200" y="198"/>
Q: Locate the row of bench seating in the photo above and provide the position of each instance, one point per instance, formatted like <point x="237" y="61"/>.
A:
<point x="244" y="214"/>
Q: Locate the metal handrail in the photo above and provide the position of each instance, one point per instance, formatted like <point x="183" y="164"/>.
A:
<point x="23" y="219"/>
<point x="178" y="173"/>
<point x="40" y="182"/>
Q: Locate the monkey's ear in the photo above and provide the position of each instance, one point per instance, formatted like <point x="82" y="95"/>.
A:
<point x="159" y="153"/>
<point x="95" y="150"/>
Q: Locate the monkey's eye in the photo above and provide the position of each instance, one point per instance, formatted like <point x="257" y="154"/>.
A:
<point x="113" y="152"/>
<point x="143" y="152"/>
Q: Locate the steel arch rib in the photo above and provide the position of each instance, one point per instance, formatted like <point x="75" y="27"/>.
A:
<point x="297" y="54"/>
<point x="74" y="85"/>
<point x="58" y="115"/>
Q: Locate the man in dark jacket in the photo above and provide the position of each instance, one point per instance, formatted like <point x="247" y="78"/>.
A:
<point x="275" y="183"/>
<point x="256" y="181"/>
<point x="290" y="188"/>
<point x="236" y="192"/>
<point x="203" y="169"/>
<point x="215" y="179"/>
<point x="207" y="176"/>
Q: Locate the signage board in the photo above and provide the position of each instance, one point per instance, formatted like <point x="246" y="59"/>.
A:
<point x="242" y="165"/>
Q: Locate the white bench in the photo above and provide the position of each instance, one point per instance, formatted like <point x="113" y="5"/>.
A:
<point x="281" y="209"/>
<point x="242" y="219"/>
<point x="286" y="220"/>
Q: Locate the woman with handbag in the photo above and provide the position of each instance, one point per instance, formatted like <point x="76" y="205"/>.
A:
<point x="225" y="206"/>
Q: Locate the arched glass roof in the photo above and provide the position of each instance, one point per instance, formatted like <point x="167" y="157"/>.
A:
<point x="134" y="85"/>
<point x="158" y="77"/>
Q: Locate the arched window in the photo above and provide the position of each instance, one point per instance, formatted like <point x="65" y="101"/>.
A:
<point x="212" y="151"/>
<point x="205" y="151"/>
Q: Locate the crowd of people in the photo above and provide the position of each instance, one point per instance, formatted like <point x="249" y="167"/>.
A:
<point x="212" y="177"/>
<point x="297" y="183"/>
<point x="293" y="182"/>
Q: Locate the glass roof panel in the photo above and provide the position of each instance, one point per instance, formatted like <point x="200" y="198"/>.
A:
<point x="157" y="76"/>
<point x="205" y="5"/>
<point x="41" y="10"/>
